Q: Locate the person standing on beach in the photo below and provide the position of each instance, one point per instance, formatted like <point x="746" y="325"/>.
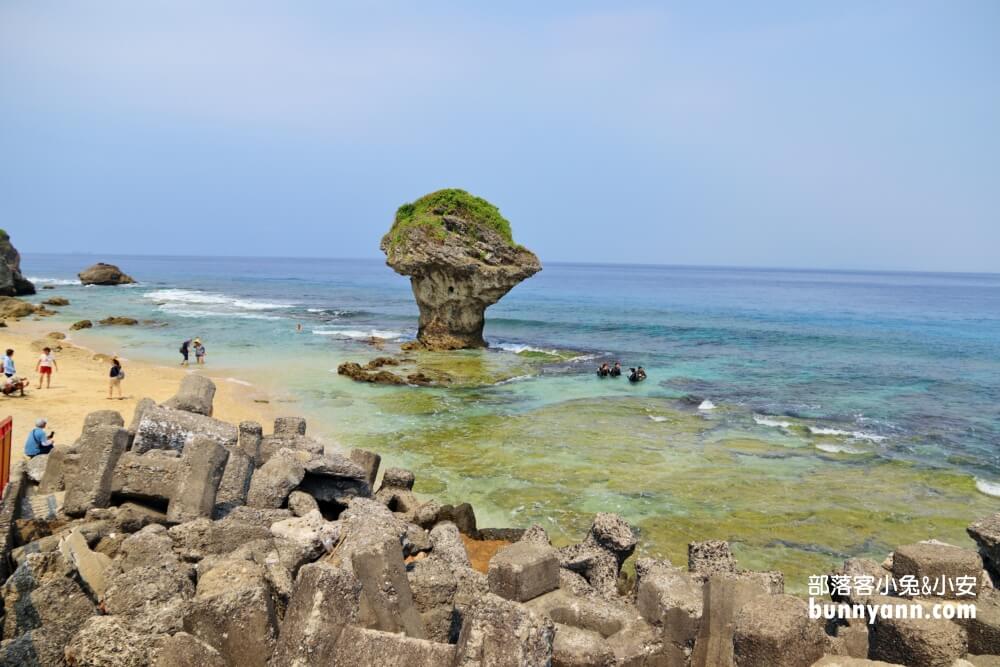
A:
<point x="116" y="376"/>
<point x="199" y="352"/>
<point x="185" y="350"/>
<point x="45" y="366"/>
<point x="8" y="364"/>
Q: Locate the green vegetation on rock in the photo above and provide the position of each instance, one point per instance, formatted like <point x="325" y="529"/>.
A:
<point x="429" y="210"/>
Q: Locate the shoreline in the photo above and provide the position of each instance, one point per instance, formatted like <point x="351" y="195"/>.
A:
<point x="80" y="386"/>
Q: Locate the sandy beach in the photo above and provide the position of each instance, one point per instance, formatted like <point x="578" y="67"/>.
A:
<point x="80" y="386"/>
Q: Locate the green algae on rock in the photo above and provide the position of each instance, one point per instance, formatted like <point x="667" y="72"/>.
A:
<point x="461" y="258"/>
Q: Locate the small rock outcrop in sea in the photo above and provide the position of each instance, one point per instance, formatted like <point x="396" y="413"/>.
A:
<point x="104" y="274"/>
<point x="181" y="539"/>
<point x="461" y="258"/>
<point x="12" y="283"/>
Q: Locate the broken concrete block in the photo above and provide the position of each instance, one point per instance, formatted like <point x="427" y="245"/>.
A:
<point x="165" y="428"/>
<point x="446" y="544"/>
<point x="103" y="418"/>
<point x="523" y="571"/>
<point x="289" y="426"/>
<point x="197" y="539"/>
<point x="184" y="650"/>
<point x="325" y="600"/>
<point x="35" y="467"/>
<point x="301" y="503"/>
<point x="100" y="448"/>
<point x="42" y="595"/>
<point x="250" y="436"/>
<point x="984" y="630"/>
<point x="724" y="597"/>
<point x="202" y="466"/>
<point x="363" y="646"/>
<point x="13" y="493"/>
<point x="235" y="483"/>
<point x="233" y="612"/>
<point x="710" y="557"/>
<point x="150" y="476"/>
<point x="923" y="642"/>
<point x="943" y="565"/>
<point x="669" y="597"/>
<point x="272" y="444"/>
<point x="90" y="565"/>
<point x="639" y="643"/>
<point x="398" y="478"/>
<point x="986" y="533"/>
<point x="63" y="463"/>
<point x="434" y="586"/>
<point x="576" y="647"/>
<point x="109" y="640"/>
<point x="386" y="590"/>
<point x="490" y="622"/>
<point x="155" y="597"/>
<point x="195" y="394"/>
<point x="140" y="409"/>
<point x="776" y="631"/>
<point x="312" y="532"/>
<point x="369" y="462"/>
<point x="274" y="480"/>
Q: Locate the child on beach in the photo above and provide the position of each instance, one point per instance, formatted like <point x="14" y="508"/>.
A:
<point x="45" y="366"/>
<point x="199" y="351"/>
<point x="12" y="384"/>
<point x="116" y="375"/>
<point x="8" y="364"/>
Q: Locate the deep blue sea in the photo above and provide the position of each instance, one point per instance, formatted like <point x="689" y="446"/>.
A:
<point x="804" y="415"/>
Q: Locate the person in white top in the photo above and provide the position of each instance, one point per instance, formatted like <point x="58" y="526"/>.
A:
<point x="46" y="366"/>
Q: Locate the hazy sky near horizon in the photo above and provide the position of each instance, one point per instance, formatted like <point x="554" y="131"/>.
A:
<point x="835" y="135"/>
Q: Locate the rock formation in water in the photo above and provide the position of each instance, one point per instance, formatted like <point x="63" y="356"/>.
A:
<point x="461" y="258"/>
<point x="12" y="283"/>
<point x="104" y="274"/>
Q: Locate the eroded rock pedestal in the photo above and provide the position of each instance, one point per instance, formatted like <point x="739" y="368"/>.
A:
<point x="460" y="262"/>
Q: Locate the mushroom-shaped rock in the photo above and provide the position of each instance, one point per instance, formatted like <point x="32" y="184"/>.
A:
<point x="104" y="274"/>
<point x="12" y="283"/>
<point x="461" y="258"/>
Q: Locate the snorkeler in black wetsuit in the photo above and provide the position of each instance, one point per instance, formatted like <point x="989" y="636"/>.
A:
<point x="616" y="370"/>
<point x="637" y="374"/>
<point x="604" y="371"/>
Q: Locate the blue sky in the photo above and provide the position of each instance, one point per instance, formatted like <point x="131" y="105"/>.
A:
<point x="841" y="134"/>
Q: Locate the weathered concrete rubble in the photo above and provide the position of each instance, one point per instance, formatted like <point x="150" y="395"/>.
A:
<point x="460" y="258"/>
<point x="306" y="566"/>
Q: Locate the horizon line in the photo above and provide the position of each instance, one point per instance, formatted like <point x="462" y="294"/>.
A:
<point x="558" y="262"/>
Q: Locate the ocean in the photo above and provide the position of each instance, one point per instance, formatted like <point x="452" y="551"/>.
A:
<point x="806" y="416"/>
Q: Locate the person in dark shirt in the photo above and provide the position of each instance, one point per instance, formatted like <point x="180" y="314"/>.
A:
<point x="116" y="375"/>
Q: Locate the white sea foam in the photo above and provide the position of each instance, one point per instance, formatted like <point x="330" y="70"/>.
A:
<point x="181" y="311"/>
<point x="358" y="334"/>
<point x="764" y="420"/>
<point x="583" y="357"/>
<point x="853" y="435"/>
<point x="989" y="488"/>
<point x="53" y="281"/>
<point x="706" y="405"/>
<point x="838" y="449"/>
<point x="657" y="418"/>
<point x="199" y="298"/>
<point x="517" y="348"/>
<point x="516" y="378"/>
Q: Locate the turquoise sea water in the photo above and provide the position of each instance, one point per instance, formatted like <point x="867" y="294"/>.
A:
<point x="804" y="415"/>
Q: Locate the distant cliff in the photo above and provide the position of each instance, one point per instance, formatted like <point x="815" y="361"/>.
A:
<point x="461" y="258"/>
<point x="12" y="283"/>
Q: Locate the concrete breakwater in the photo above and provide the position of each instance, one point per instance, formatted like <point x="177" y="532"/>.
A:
<point x="180" y="539"/>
